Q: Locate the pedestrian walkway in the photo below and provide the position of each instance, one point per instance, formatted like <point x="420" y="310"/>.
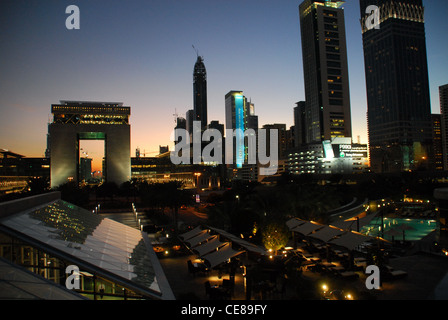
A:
<point x="127" y="218"/>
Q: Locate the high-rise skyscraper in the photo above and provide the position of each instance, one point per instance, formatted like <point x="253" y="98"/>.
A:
<point x="241" y="118"/>
<point x="398" y="111"/>
<point x="200" y="92"/>
<point x="443" y="95"/>
<point x="235" y="104"/>
<point x="327" y="96"/>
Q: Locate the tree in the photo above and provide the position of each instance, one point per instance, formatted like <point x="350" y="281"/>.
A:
<point x="275" y="236"/>
<point x="165" y="195"/>
<point x="71" y="192"/>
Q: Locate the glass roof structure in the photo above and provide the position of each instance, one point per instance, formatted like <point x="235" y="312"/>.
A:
<point x="94" y="243"/>
<point x="17" y="283"/>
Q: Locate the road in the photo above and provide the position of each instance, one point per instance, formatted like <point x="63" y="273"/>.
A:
<point x="191" y="216"/>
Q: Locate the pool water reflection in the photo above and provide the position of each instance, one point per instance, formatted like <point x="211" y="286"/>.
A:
<point x="414" y="229"/>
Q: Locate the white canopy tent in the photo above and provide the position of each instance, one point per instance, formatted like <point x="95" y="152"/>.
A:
<point x="326" y="233"/>
<point x="221" y="255"/>
<point x="294" y="222"/>
<point x="350" y="240"/>
<point x="245" y="244"/>
<point x="211" y="245"/>
<point x="192" y="233"/>
<point x="201" y="237"/>
<point x="307" y="227"/>
<point x="330" y="234"/>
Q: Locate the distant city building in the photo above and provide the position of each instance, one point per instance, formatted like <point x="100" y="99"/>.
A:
<point x="327" y="96"/>
<point x="240" y="115"/>
<point x="47" y="150"/>
<point x="251" y="119"/>
<point x="217" y="126"/>
<point x="290" y="137"/>
<point x="164" y="149"/>
<point x="299" y="124"/>
<point x="189" y="118"/>
<point x="443" y="95"/>
<point x="161" y="169"/>
<point x="16" y="170"/>
<point x="235" y="119"/>
<point x="282" y="143"/>
<point x="396" y="70"/>
<point x="181" y="123"/>
<point x="200" y="92"/>
<point x="85" y="169"/>
<point x="336" y="156"/>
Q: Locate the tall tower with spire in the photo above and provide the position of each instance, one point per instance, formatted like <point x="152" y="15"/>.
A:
<point x="200" y="92"/>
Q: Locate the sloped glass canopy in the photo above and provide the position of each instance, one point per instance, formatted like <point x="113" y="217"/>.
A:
<point x="101" y="244"/>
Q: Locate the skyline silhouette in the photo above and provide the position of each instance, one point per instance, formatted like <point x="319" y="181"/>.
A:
<point x="140" y="53"/>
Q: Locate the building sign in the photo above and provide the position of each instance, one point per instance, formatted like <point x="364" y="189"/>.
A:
<point x="352" y="151"/>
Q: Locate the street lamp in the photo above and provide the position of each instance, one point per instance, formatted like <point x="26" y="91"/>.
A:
<point x="197" y="174"/>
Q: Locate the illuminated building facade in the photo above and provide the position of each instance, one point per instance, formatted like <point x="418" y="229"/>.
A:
<point x="398" y="100"/>
<point x="160" y="169"/>
<point x="336" y="156"/>
<point x="74" y="121"/>
<point x="235" y="120"/>
<point x="241" y="118"/>
<point x="16" y="170"/>
<point x="327" y="97"/>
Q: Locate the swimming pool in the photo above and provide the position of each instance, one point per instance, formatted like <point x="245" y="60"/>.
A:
<point x="419" y="228"/>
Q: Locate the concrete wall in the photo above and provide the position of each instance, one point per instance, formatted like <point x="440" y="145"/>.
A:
<point x="65" y="151"/>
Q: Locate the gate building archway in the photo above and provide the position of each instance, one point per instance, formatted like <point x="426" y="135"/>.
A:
<point x="74" y="121"/>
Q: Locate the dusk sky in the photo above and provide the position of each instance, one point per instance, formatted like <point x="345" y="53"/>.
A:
<point x="140" y="53"/>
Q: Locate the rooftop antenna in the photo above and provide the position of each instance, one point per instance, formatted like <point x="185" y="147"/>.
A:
<point x="176" y="115"/>
<point x="196" y="50"/>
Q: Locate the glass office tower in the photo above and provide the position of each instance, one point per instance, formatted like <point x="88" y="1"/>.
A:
<point x="399" y="111"/>
<point x="327" y="95"/>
